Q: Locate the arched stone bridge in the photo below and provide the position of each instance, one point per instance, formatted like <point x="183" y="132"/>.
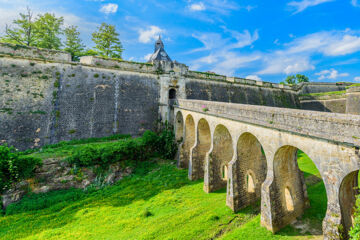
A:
<point x="252" y="150"/>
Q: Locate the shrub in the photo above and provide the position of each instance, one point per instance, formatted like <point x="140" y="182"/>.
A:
<point x="79" y="141"/>
<point x="15" y="167"/>
<point x="355" y="230"/>
<point x="150" y="144"/>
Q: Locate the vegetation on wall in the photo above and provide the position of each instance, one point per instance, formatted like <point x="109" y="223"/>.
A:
<point x="15" y="167"/>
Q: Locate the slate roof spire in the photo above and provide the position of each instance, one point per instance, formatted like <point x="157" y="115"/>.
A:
<point x="159" y="52"/>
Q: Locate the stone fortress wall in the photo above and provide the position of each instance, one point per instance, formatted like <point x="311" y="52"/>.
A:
<point x="331" y="99"/>
<point x="45" y="98"/>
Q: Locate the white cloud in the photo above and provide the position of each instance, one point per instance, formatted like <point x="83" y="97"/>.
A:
<point x="300" y="6"/>
<point x="222" y="56"/>
<point x="330" y="74"/>
<point x="348" y="44"/>
<point x="109" y="8"/>
<point x="197" y="6"/>
<point x="296" y="55"/>
<point x="281" y="62"/>
<point x="150" y="34"/>
<point x="355" y="3"/>
<point x="222" y="7"/>
<point x="253" y="77"/>
<point x="357" y="79"/>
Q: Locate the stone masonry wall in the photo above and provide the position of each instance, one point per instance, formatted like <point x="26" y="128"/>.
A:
<point x="42" y="103"/>
<point x="45" y="98"/>
<point x="225" y="91"/>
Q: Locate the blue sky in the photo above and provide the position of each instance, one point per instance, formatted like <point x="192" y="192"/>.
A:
<point x="265" y="40"/>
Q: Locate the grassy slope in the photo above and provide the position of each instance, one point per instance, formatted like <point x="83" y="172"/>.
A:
<point x="161" y="204"/>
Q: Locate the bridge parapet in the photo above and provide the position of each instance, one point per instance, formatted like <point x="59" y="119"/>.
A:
<point x="340" y="128"/>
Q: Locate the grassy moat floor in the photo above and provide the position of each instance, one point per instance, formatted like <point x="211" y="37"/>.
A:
<point x="157" y="202"/>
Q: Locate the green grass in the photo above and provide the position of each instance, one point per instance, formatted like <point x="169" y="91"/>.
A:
<point x="323" y="94"/>
<point x="156" y="202"/>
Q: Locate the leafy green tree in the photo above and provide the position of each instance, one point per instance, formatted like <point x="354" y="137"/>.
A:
<point x="90" y="52"/>
<point x="23" y="32"/>
<point x="107" y="41"/>
<point x="73" y="44"/>
<point x="301" y="78"/>
<point x="48" y="31"/>
<point x="290" y="79"/>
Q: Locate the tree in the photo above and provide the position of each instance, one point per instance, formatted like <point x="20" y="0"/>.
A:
<point x="73" y="44"/>
<point x="301" y="78"/>
<point x="24" y="32"/>
<point x="48" y="31"/>
<point x="290" y="79"/>
<point x="90" y="52"/>
<point x="107" y="41"/>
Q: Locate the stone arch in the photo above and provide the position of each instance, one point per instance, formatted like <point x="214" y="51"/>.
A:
<point x="179" y="127"/>
<point x="288" y="182"/>
<point x="189" y="141"/>
<point x="248" y="172"/>
<point x="219" y="158"/>
<point x="200" y="150"/>
<point x="288" y="191"/>
<point x="347" y="197"/>
<point x="251" y="164"/>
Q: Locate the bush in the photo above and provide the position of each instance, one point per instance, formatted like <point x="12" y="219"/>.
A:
<point x="79" y="141"/>
<point x="15" y="167"/>
<point x="150" y="144"/>
<point x="355" y="230"/>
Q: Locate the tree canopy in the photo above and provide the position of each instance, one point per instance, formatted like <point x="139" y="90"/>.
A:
<point x="107" y="41"/>
<point x="48" y="31"/>
<point x="298" y="78"/>
<point x="73" y="43"/>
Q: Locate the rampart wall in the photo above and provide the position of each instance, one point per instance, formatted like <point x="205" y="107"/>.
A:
<point x="46" y="98"/>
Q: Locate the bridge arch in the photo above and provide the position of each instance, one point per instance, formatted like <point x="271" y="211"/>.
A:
<point x="189" y="141"/>
<point x="289" y="191"/>
<point x="248" y="172"/>
<point x="200" y="150"/>
<point x="347" y="198"/>
<point x="218" y="159"/>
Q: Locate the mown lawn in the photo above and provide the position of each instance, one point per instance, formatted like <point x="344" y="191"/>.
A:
<point x="157" y="202"/>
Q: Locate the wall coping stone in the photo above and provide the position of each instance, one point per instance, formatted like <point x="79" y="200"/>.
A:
<point x="33" y="52"/>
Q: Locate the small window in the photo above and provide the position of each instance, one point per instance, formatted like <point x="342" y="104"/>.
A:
<point x="172" y="94"/>
<point x="289" y="200"/>
<point x="224" y="172"/>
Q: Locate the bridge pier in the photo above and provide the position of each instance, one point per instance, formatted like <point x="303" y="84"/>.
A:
<point x="199" y="151"/>
<point x="247" y="172"/>
<point x="189" y="141"/>
<point x="287" y="192"/>
<point x="217" y="160"/>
